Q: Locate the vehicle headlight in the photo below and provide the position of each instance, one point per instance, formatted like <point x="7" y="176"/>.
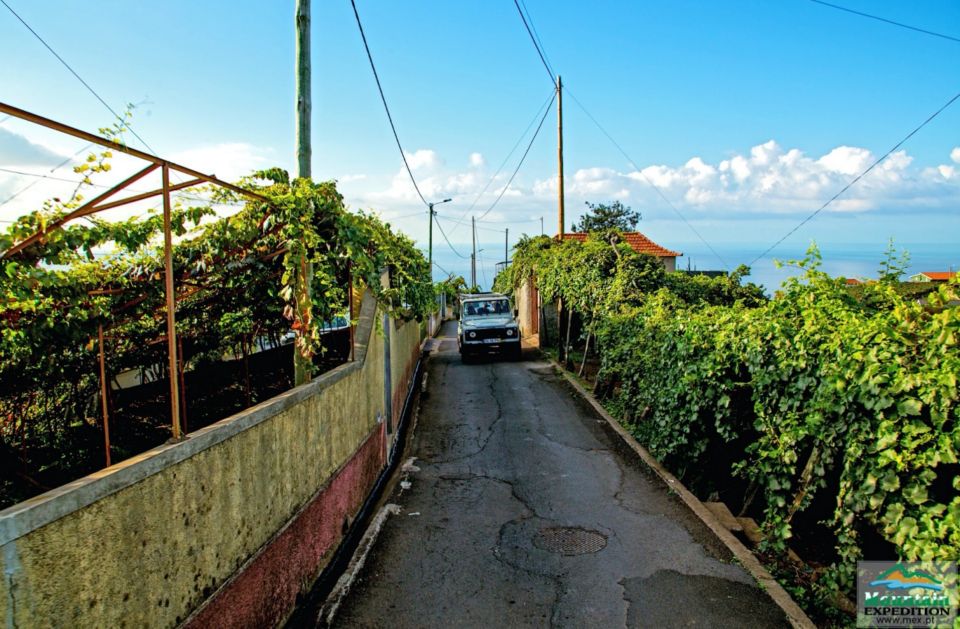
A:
<point x="472" y="335"/>
<point x="509" y="331"/>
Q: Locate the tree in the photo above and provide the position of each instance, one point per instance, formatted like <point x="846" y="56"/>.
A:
<point x="893" y="266"/>
<point x="601" y="216"/>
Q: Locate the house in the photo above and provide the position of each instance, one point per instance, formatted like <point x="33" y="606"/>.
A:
<point x="532" y="310"/>
<point x="933" y="276"/>
<point x="641" y="244"/>
<point x="852" y="281"/>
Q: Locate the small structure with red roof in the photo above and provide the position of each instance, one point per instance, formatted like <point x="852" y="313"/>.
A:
<point x="641" y="244"/>
<point x="933" y="276"/>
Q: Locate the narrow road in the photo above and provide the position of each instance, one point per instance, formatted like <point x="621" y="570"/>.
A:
<point x="526" y="512"/>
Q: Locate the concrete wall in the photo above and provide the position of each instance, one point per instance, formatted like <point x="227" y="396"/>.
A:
<point x="223" y="528"/>
<point x="526" y="301"/>
<point x="405" y="342"/>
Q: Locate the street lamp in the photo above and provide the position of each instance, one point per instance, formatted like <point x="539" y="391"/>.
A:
<point x="431" y="214"/>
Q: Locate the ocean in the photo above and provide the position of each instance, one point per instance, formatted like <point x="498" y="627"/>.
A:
<point x="859" y="261"/>
<point x="848" y="260"/>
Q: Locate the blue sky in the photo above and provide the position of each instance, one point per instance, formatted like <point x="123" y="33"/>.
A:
<point x="748" y="115"/>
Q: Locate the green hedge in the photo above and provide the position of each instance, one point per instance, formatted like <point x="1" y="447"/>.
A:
<point x="819" y="394"/>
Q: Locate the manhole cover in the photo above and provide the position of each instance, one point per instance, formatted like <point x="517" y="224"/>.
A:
<point x="569" y="541"/>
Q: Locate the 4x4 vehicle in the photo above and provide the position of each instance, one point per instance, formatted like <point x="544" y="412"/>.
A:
<point x="486" y="325"/>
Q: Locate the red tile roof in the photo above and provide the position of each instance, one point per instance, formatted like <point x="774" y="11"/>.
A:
<point x="939" y="276"/>
<point x="852" y="281"/>
<point x="637" y="241"/>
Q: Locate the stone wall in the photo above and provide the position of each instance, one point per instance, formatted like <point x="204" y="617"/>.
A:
<point x="224" y="527"/>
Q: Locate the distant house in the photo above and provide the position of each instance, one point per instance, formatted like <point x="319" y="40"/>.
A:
<point x="933" y="276"/>
<point x="852" y="281"/>
<point x="533" y="311"/>
<point x="641" y="244"/>
<point x="705" y="273"/>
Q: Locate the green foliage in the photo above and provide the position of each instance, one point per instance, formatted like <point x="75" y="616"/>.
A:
<point x="601" y="217"/>
<point x="820" y="389"/>
<point x="451" y="287"/>
<point x="236" y="282"/>
<point x="892" y="267"/>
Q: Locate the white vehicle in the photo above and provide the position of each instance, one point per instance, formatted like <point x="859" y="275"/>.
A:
<point x="487" y="324"/>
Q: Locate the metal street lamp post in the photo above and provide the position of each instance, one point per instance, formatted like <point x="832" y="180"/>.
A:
<point x="430" y="216"/>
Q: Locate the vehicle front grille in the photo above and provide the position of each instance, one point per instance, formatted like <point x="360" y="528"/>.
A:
<point x="488" y="333"/>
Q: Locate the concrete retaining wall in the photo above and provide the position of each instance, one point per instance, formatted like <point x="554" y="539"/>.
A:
<point x="526" y="300"/>
<point x="223" y="528"/>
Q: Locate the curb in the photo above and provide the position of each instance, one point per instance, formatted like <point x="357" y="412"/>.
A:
<point x="329" y="609"/>
<point x="795" y="615"/>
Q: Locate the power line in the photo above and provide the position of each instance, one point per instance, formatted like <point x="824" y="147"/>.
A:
<point x="442" y="270"/>
<point x="79" y="78"/>
<point x="534" y="40"/>
<point x="36" y="181"/>
<point x="449" y="244"/>
<point x="400" y="218"/>
<point x="536" y="34"/>
<point x="544" y="106"/>
<point x="647" y="179"/>
<point x="520" y="163"/>
<point x="489" y="229"/>
<point x="384" y="99"/>
<point x="51" y="178"/>
<point x="483" y="271"/>
<point x="514" y="222"/>
<point x="857" y="178"/>
<point x="79" y="182"/>
<point x="883" y="19"/>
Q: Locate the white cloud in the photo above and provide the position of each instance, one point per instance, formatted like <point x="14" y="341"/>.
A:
<point x="18" y="150"/>
<point x="847" y="160"/>
<point x="228" y="161"/>
<point x="422" y="159"/>
<point x="477" y="161"/>
<point x="766" y="179"/>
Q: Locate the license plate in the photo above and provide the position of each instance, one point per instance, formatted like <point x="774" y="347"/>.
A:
<point x="491" y="340"/>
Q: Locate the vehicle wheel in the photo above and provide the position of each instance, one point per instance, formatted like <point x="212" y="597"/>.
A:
<point x="515" y="353"/>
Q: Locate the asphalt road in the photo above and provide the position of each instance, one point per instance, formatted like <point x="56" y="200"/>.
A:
<point x="527" y="512"/>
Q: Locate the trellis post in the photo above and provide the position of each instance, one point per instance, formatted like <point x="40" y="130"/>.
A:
<point x="103" y="397"/>
<point x="171" y="307"/>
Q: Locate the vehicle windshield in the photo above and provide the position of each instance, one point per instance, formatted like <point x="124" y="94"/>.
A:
<point x="486" y="308"/>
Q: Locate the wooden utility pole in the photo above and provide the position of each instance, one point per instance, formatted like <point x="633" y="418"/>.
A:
<point x="473" y="256"/>
<point x="304" y="150"/>
<point x="560" y="208"/>
<point x="303" y="365"/>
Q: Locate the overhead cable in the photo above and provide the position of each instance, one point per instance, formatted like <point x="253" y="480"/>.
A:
<point x="544" y="107"/>
<point x="520" y="163"/>
<point x="533" y="39"/>
<point x="647" y="179"/>
<point x="78" y="77"/>
<point x="883" y="19"/>
<point x="857" y="178"/>
<point x="449" y="244"/>
<point x="483" y="271"/>
<point x="442" y="270"/>
<point x="36" y="181"/>
<point x="384" y="100"/>
<point x="533" y="26"/>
